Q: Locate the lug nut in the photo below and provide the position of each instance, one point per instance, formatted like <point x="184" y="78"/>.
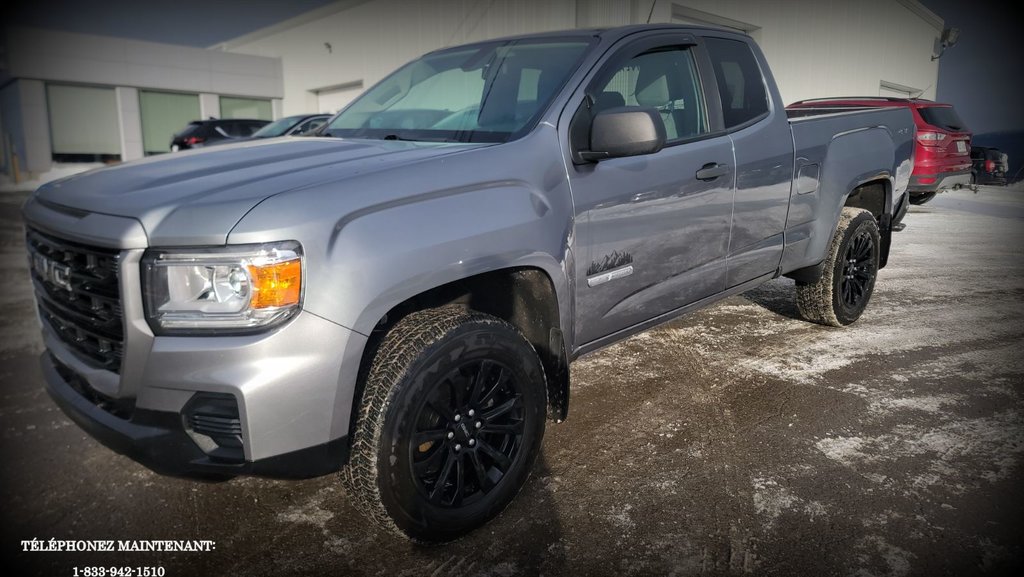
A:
<point x="451" y="435"/>
<point x="458" y="447"/>
<point x="458" y="418"/>
<point x="471" y="412"/>
<point x="479" y="424"/>
<point x="472" y="442"/>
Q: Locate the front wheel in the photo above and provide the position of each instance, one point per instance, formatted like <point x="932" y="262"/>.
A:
<point x="450" y="425"/>
<point x="842" y="293"/>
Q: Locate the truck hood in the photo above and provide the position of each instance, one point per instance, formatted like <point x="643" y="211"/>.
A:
<point x="197" y="197"/>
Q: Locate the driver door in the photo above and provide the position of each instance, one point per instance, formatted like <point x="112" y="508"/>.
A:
<point x="651" y="236"/>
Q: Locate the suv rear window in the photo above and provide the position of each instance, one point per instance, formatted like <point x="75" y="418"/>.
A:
<point x="193" y="129"/>
<point x="942" y="116"/>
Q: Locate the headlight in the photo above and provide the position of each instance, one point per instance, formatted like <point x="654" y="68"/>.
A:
<point x="225" y="289"/>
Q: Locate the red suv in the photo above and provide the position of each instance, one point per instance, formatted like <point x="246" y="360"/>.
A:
<point x="942" y="155"/>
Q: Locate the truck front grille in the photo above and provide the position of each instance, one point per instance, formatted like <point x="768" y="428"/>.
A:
<point x="79" y="297"/>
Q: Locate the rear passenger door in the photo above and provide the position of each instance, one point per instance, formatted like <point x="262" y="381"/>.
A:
<point x="651" y="236"/>
<point x="756" y="122"/>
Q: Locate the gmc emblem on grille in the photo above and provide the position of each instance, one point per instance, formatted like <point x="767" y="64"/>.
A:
<point x="52" y="271"/>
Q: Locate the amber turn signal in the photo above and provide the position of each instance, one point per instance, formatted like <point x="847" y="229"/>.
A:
<point x="276" y="285"/>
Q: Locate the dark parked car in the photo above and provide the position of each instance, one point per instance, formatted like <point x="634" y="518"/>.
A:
<point x="292" y="125"/>
<point x="942" y="153"/>
<point x="205" y="132"/>
<point x="988" y="165"/>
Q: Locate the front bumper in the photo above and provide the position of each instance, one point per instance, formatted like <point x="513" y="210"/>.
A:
<point x="157" y="439"/>
<point x="292" y="395"/>
<point x="936" y="182"/>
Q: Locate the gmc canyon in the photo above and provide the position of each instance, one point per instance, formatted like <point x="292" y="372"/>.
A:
<point x="399" y="299"/>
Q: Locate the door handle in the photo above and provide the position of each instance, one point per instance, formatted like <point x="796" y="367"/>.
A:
<point x="712" y="170"/>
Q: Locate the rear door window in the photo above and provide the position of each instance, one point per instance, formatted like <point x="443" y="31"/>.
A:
<point x="740" y="83"/>
<point x="224" y="129"/>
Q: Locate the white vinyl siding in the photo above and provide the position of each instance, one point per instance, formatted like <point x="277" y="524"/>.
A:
<point x="83" y="120"/>
<point x="331" y="100"/>
<point x="814" y="48"/>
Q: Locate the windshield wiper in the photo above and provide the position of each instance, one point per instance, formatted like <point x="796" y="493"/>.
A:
<point x="423" y="139"/>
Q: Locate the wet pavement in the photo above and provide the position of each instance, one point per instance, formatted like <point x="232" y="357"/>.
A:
<point x="737" y="440"/>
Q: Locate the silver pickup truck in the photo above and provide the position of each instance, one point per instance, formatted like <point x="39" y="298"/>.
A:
<point x="399" y="299"/>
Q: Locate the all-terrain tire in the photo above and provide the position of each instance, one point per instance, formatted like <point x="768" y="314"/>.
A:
<point x="430" y="358"/>
<point x="842" y="293"/>
<point x="918" y="199"/>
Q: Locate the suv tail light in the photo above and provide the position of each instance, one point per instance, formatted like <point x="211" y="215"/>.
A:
<point x="990" y="166"/>
<point x="194" y="140"/>
<point x="930" y="138"/>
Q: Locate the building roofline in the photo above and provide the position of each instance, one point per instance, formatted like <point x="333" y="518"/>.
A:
<point x="924" y="13"/>
<point x="304" y="18"/>
<point x="341" y="5"/>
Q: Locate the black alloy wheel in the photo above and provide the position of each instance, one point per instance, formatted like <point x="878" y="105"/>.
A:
<point x="839" y="296"/>
<point x="468" y="432"/>
<point x="858" y="270"/>
<point x="449" y="426"/>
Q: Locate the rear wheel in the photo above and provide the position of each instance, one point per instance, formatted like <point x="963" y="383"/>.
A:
<point x="919" y="198"/>
<point x="451" y="422"/>
<point x="842" y="293"/>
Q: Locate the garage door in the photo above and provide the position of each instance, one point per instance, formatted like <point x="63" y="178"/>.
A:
<point x="245" y="108"/>
<point x="163" y="114"/>
<point x="331" y="100"/>
<point x="83" y="123"/>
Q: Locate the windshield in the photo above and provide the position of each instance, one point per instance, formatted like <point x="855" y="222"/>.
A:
<point x="481" y="93"/>
<point x="942" y="116"/>
<point x="277" y="128"/>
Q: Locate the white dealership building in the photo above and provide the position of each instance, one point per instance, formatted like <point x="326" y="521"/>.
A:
<point x="70" y="96"/>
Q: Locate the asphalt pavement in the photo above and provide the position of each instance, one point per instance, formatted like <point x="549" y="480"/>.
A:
<point x="738" y="440"/>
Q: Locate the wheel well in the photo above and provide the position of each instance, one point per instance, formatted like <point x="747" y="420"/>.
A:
<point x="871" y="197"/>
<point x="524" y="297"/>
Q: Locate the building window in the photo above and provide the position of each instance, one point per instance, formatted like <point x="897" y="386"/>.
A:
<point x="163" y="114"/>
<point x="83" y="123"/>
<point x="245" y="108"/>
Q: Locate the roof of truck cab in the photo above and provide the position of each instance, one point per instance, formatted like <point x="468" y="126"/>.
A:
<point x="611" y="34"/>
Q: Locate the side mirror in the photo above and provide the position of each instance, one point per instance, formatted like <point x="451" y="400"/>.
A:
<point x="625" y="131"/>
